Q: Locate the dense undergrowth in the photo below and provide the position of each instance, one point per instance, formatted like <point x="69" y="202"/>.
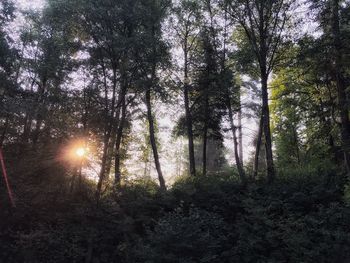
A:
<point x="202" y="219"/>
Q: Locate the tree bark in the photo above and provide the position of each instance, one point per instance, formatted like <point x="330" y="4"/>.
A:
<point x="111" y="146"/>
<point x="103" y="165"/>
<point x="235" y="143"/>
<point x="257" y="148"/>
<point x="267" y="129"/>
<point x="110" y="121"/>
<point x="296" y="142"/>
<point x="153" y="140"/>
<point x="205" y="133"/>
<point x="39" y="116"/>
<point x="189" y="120"/>
<point x="27" y="124"/>
<point x="26" y="129"/>
<point x="240" y="134"/>
<point x="117" y="173"/>
<point x="341" y="89"/>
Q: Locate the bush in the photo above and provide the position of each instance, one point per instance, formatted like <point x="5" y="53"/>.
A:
<point x="203" y="219"/>
<point x="196" y="236"/>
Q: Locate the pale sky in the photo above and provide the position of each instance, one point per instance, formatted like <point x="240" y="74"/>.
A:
<point x="34" y="4"/>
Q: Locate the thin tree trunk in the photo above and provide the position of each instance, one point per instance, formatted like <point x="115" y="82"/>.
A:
<point x="235" y="143"/>
<point x="257" y="148"/>
<point x="39" y="117"/>
<point x="240" y="134"/>
<point x="341" y="89"/>
<point x="36" y="132"/>
<point x="153" y="140"/>
<point x="27" y="126"/>
<point x="108" y="128"/>
<point x="26" y="129"/>
<point x="145" y="167"/>
<point x="111" y="148"/>
<point x="296" y="142"/>
<point x="189" y="133"/>
<point x="103" y="165"/>
<point x="205" y="133"/>
<point x="117" y="173"/>
<point x="267" y="129"/>
<point x="114" y="130"/>
<point x="189" y="121"/>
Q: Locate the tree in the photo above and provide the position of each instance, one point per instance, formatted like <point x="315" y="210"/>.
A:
<point x="153" y="58"/>
<point x="263" y="23"/>
<point x="49" y="45"/>
<point x="8" y="69"/>
<point x="187" y="21"/>
<point x="343" y="104"/>
<point x="232" y="98"/>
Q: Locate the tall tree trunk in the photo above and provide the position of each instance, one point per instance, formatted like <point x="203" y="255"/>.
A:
<point x="153" y="140"/>
<point x="27" y="125"/>
<point x="36" y="132"/>
<point x="117" y="173"/>
<point x="189" y="121"/>
<point x="341" y="89"/>
<point x="235" y="143"/>
<point x="108" y="150"/>
<point x="110" y="122"/>
<point x="240" y="134"/>
<point x="111" y="147"/>
<point x="296" y="142"/>
<point x="257" y="148"/>
<point x="267" y="129"/>
<point x="39" y="116"/>
<point x="26" y="129"/>
<point x="205" y="133"/>
<point x="103" y="164"/>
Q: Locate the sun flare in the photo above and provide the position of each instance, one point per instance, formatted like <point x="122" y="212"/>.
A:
<point x="80" y="152"/>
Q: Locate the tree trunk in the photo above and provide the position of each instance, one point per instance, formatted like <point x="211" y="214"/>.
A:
<point x="111" y="147"/>
<point x="153" y="140"/>
<point x="267" y="129"/>
<point x="257" y="148"/>
<point x="39" y="116"/>
<point x="205" y="133"/>
<point x="117" y="173"/>
<point x="235" y="143"/>
<point x="36" y="132"/>
<point x="108" y="150"/>
<point x="103" y="165"/>
<point x="240" y="134"/>
<point x="296" y="141"/>
<point x="110" y="122"/>
<point x="341" y="89"/>
<point x="189" y="122"/>
<point x="27" y="125"/>
<point x="26" y="129"/>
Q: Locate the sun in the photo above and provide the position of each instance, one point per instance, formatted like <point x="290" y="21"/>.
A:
<point x="80" y="152"/>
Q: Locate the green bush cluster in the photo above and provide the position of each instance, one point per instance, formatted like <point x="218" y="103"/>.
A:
<point x="202" y="219"/>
